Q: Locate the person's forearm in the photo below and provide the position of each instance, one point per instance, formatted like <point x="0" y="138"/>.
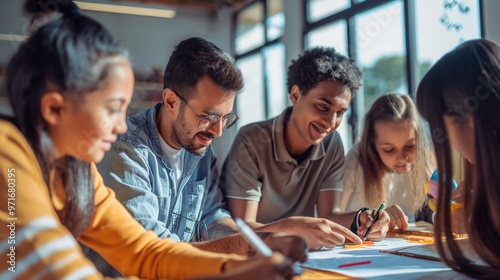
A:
<point x="220" y="228"/>
<point x="232" y="244"/>
<point x="285" y="225"/>
<point x="344" y="219"/>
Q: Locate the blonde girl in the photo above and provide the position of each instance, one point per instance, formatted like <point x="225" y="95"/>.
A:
<point x="391" y="163"/>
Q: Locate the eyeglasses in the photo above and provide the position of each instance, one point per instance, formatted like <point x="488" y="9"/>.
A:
<point x="208" y="121"/>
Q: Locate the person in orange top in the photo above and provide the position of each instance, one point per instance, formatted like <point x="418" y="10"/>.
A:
<point x="69" y="85"/>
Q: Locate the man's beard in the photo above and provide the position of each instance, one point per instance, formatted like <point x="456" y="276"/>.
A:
<point x="181" y="136"/>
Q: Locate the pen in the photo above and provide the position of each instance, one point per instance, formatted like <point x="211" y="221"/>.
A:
<point x="374" y="220"/>
<point x="354" y="263"/>
<point x="412" y="255"/>
<point x="254" y="240"/>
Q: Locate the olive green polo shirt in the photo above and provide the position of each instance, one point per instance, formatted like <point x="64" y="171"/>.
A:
<point x="259" y="168"/>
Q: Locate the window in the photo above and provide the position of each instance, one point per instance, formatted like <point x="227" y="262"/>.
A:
<point x="250" y="28"/>
<point x="394" y="42"/>
<point x="274" y="56"/>
<point x="275" y="20"/>
<point x="380" y="53"/>
<point x="331" y="35"/>
<point x="389" y="44"/>
<point x="250" y="105"/>
<point x="261" y="57"/>
<point x="443" y="25"/>
<point x="319" y="9"/>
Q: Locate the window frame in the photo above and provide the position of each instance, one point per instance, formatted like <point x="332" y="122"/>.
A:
<point x="260" y="50"/>
<point x="410" y="41"/>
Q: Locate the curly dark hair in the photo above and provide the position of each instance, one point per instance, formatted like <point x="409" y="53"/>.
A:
<point x="323" y="64"/>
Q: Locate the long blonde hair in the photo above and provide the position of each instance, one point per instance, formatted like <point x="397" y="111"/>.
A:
<point x="395" y="108"/>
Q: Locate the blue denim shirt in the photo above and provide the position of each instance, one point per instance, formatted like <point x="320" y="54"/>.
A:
<point x="144" y="182"/>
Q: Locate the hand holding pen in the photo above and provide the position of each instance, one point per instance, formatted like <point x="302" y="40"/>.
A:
<point x="258" y="244"/>
<point x="379" y="223"/>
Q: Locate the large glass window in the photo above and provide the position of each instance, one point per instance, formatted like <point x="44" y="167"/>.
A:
<point x="275" y="76"/>
<point x="250" y="28"/>
<point x="319" y="9"/>
<point x="330" y="35"/>
<point x="275" y="20"/>
<point x="250" y="105"/>
<point x="381" y="53"/>
<point x="395" y="42"/>
<point x="261" y="57"/>
<point x="443" y="25"/>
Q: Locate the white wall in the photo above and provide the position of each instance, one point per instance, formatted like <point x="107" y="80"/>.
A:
<point x="11" y="22"/>
<point x="149" y="40"/>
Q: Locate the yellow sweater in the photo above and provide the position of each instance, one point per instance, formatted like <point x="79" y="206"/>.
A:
<point x="34" y="244"/>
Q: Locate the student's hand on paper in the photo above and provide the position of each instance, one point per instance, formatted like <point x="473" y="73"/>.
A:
<point x="319" y="232"/>
<point x="259" y="267"/>
<point x="379" y="229"/>
<point x="397" y="217"/>
<point x="292" y="246"/>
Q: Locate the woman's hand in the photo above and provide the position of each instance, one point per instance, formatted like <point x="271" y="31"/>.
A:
<point x="397" y="217"/>
<point x="379" y="229"/>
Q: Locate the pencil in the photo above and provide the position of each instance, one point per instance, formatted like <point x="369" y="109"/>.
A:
<point x="374" y="220"/>
<point x="354" y="264"/>
<point x="254" y="240"/>
<point x="411" y="255"/>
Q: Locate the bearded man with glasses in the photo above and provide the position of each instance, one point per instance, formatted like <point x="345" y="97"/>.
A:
<point x="163" y="169"/>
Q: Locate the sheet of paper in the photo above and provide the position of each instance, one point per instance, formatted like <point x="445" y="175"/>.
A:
<point x="382" y="266"/>
<point x="430" y="251"/>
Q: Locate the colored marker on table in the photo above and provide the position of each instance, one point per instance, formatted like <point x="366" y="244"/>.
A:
<point x="354" y="264"/>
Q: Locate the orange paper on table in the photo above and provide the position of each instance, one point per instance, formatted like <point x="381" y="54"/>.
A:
<point x="354" y="246"/>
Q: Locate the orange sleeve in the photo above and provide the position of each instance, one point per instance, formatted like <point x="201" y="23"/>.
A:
<point x="33" y="242"/>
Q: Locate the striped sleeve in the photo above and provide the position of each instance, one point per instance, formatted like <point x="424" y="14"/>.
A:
<point x="33" y="243"/>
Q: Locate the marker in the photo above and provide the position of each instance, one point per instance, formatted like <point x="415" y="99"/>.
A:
<point x="254" y="240"/>
<point x="374" y="220"/>
<point x="354" y="264"/>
